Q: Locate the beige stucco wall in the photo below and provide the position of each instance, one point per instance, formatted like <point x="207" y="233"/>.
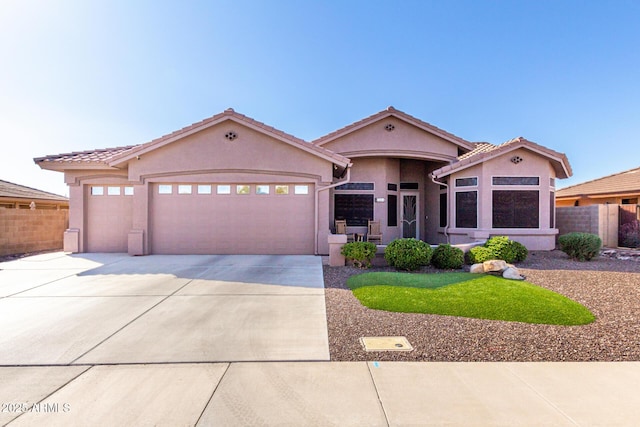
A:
<point x="405" y="140"/>
<point x="209" y="152"/>
<point x="541" y="238"/>
<point x="26" y="230"/>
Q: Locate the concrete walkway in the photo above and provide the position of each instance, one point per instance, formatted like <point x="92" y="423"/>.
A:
<point x="323" y="394"/>
<point x="108" y="340"/>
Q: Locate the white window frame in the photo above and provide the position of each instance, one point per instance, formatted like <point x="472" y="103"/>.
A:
<point x="165" y="189"/>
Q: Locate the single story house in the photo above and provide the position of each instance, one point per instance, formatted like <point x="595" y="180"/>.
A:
<point x="16" y="196"/>
<point x="233" y="185"/>
<point x="622" y="188"/>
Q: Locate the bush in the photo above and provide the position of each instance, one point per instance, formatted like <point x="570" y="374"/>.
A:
<point x="408" y="254"/>
<point x="580" y="246"/>
<point x="446" y="256"/>
<point x="499" y="247"/>
<point x="521" y="251"/>
<point x="629" y="235"/>
<point x="479" y="254"/>
<point x="361" y="253"/>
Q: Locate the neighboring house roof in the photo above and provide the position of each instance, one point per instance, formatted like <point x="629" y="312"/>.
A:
<point x="484" y="151"/>
<point x="10" y="190"/>
<point x="627" y="182"/>
<point x="115" y="157"/>
<point x="390" y="111"/>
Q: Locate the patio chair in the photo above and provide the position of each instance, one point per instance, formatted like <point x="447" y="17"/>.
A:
<point x="341" y="228"/>
<point x="374" y="235"/>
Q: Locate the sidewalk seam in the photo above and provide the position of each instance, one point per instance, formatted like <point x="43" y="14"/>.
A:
<point x="542" y="396"/>
<point x="212" y="394"/>
<point x="375" y="387"/>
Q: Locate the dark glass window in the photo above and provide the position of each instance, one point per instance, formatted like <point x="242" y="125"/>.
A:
<point x="443" y="210"/>
<point x="408" y="185"/>
<point x="516" y="209"/>
<point x="552" y="209"/>
<point x="392" y="210"/>
<point x="466" y="182"/>
<point x="392" y="187"/>
<point x="466" y="209"/>
<point x="516" y="180"/>
<point x="357" y="209"/>
<point x="356" y="186"/>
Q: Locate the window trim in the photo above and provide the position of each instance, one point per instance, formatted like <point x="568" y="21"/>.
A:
<point x="493" y="184"/>
<point x="456" y="185"/>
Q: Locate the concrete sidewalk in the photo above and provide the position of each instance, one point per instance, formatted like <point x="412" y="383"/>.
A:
<point x="323" y="394"/>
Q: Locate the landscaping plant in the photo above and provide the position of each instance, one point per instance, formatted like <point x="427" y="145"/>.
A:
<point x="408" y="254"/>
<point x="360" y="253"/>
<point x="447" y="257"/>
<point x="499" y="247"/>
<point x="629" y="235"/>
<point x="580" y="246"/>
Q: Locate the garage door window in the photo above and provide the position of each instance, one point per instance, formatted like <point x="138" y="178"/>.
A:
<point x="262" y="189"/>
<point x="113" y="191"/>
<point x="224" y="189"/>
<point x="165" y="189"/>
<point x="128" y="191"/>
<point x="282" y="189"/>
<point x="97" y="191"/>
<point x="243" y="189"/>
<point x="204" y="189"/>
<point x="301" y="189"/>
<point x="184" y="189"/>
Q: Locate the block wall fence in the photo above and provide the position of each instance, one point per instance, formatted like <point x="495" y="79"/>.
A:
<point x="26" y="230"/>
<point x="595" y="219"/>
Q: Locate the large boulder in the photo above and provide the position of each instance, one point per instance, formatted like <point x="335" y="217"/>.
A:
<point x="512" y="273"/>
<point x="477" y="269"/>
<point x="494" y="265"/>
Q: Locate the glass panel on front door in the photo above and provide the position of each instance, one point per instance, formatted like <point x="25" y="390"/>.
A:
<point x="409" y="216"/>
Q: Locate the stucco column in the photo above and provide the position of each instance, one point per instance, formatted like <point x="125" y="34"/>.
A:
<point x="323" y="222"/>
<point x="74" y="235"/>
<point x="139" y="233"/>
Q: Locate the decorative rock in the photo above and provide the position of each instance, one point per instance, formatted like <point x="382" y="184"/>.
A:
<point x="512" y="273"/>
<point x="494" y="265"/>
<point x="477" y="269"/>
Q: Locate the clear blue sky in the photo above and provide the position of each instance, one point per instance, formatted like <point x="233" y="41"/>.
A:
<point x="82" y="74"/>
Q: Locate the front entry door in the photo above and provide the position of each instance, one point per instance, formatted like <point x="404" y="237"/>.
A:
<point x="410" y="214"/>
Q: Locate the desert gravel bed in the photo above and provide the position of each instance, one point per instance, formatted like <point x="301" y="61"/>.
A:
<point x="610" y="288"/>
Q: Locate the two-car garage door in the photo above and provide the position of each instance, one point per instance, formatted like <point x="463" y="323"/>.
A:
<point x="231" y="218"/>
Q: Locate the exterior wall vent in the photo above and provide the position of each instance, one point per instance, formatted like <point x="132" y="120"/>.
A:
<point x="516" y="159"/>
<point x="231" y="135"/>
<point x="389" y="127"/>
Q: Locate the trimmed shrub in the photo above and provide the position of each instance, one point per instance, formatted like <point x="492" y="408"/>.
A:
<point x="502" y="248"/>
<point x="447" y="257"/>
<point x="480" y="254"/>
<point x="408" y="254"/>
<point x="580" y="246"/>
<point x="629" y="235"/>
<point x="520" y="250"/>
<point x="499" y="247"/>
<point x="360" y="253"/>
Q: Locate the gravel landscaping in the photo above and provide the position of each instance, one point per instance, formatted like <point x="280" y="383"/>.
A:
<point x="609" y="287"/>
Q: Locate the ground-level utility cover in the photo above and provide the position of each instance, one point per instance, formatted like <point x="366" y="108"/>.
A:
<point x="385" y="344"/>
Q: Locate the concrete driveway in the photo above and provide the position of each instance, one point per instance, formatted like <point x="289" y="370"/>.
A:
<point x="60" y="309"/>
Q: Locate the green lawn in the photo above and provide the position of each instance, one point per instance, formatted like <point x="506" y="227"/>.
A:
<point x="467" y="295"/>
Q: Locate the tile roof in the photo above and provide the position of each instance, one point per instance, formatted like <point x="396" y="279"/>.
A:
<point x="391" y="111"/>
<point x="621" y="182"/>
<point x="108" y="156"/>
<point x="485" y="150"/>
<point x="99" y="156"/>
<point x="16" y="191"/>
